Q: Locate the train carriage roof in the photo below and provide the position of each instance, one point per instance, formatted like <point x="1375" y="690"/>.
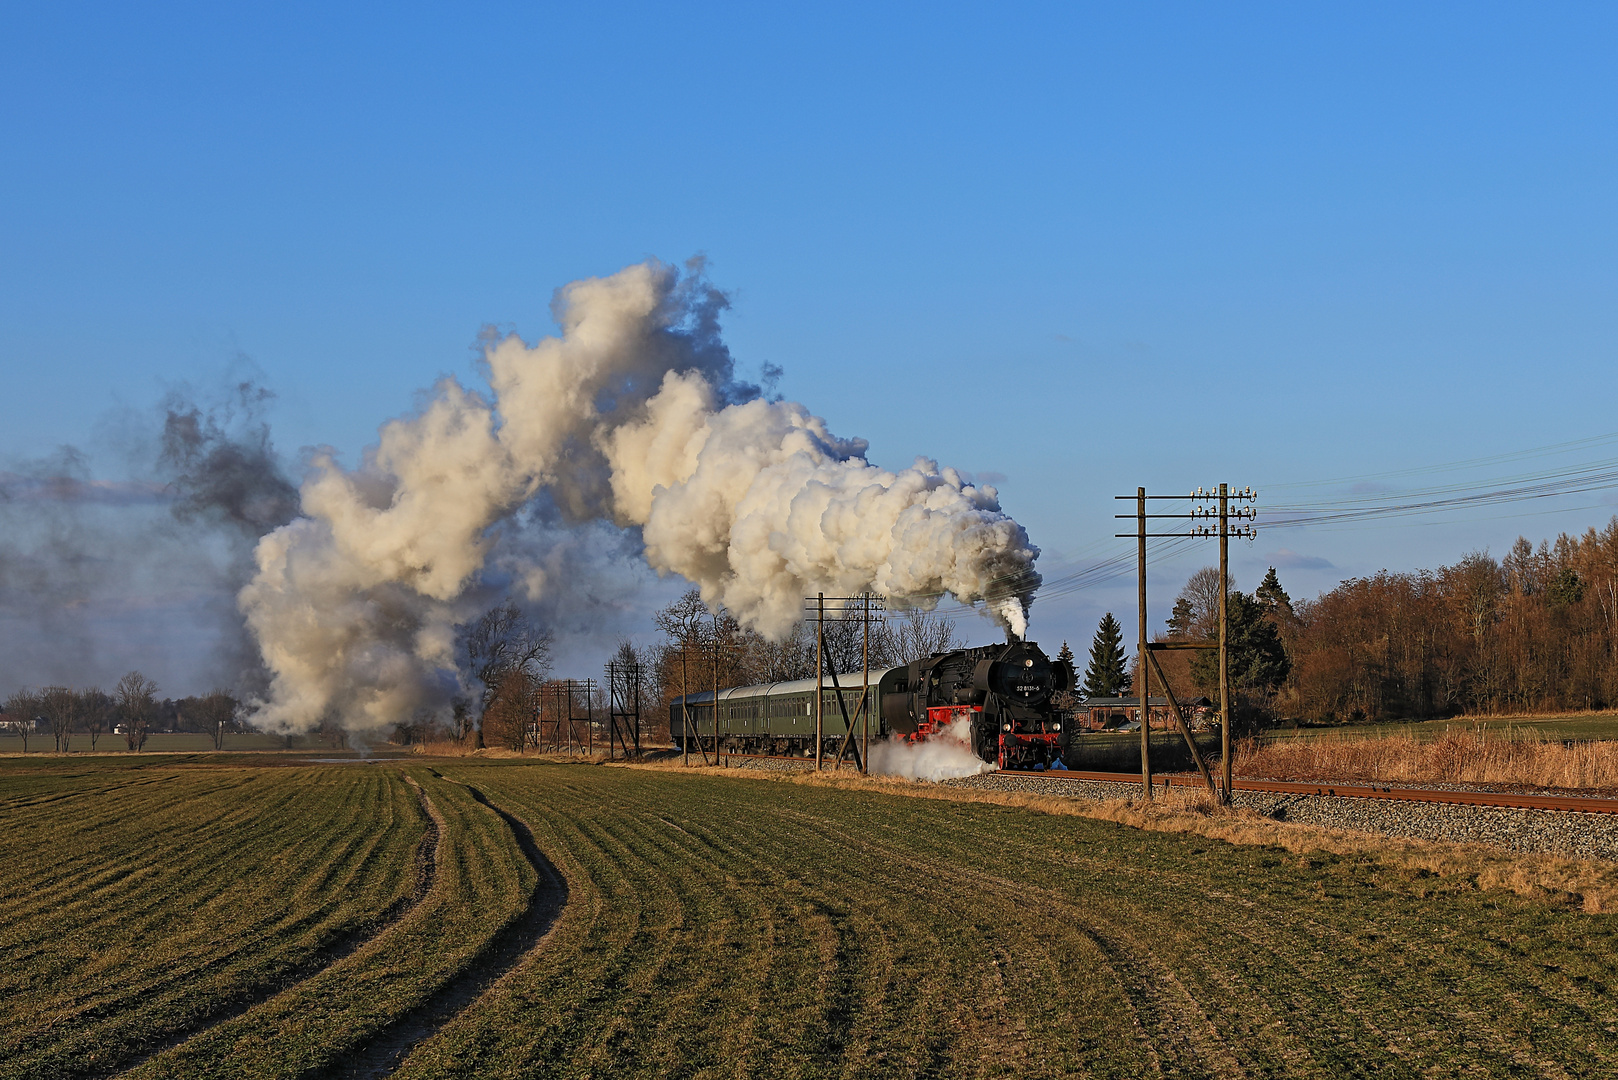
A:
<point x="849" y="681"/>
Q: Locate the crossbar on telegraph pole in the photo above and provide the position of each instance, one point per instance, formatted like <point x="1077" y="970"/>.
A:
<point x="862" y="711"/>
<point x="1223" y="495"/>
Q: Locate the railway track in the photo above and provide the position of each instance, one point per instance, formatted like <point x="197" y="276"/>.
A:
<point x="1509" y="800"/>
<point x="1572" y="803"/>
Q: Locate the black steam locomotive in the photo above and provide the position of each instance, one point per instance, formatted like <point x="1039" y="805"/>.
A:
<point x="997" y="699"/>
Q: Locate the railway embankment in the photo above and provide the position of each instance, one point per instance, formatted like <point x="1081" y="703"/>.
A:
<point x="1566" y="833"/>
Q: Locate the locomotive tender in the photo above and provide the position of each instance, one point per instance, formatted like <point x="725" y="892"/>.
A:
<point x="1004" y="691"/>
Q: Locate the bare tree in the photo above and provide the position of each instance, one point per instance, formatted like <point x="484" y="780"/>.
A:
<point x="500" y="642"/>
<point x="918" y="634"/>
<point x="510" y="708"/>
<point x="23" y="707"/>
<point x="136" y="698"/>
<point x="1201" y="596"/>
<point x="216" y="712"/>
<point x="682" y="624"/>
<point x="845" y="640"/>
<point x="637" y="667"/>
<point x="95" y="712"/>
<point x="60" y="707"/>
<point x="765" y="661"/>
<point x="332" y="735"/>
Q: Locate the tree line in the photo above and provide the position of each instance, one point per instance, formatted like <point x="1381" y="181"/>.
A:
<point x="508" y="663"/>
<point x="699" y="647"/>
<point x="1534" y="630"/>
<point x="66" y="715"/>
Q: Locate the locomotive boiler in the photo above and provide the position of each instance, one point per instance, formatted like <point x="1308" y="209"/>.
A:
<point x="998" y="699"/>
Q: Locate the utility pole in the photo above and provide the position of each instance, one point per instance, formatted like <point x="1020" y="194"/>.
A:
<point x="1224" y="635"/>
<point x="852" y="740"/>
<point x="716" y="760"/>
<point x="687" y="726"/>
<point x="720" y="644"/>
<point x="1140" y="653"/>
<point x="623" y="703"/>
<point x="1223" y="494"/>
<point x="865" y="690"/>
<point x="820" y="663"/>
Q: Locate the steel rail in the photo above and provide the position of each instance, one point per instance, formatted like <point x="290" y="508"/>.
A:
<point x="1502" y="799"/>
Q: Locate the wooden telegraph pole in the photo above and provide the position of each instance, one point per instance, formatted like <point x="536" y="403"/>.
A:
<point x="820" y="663"/>
<point x="720" y="644"/>
<point x="1224" y="636"/>
<point x="1148" y="661"/>
<point x="853" y="741"/>
<point x="685" y="707"/>
<point x="865" y="690"/>
<point x="1140" y="653"/>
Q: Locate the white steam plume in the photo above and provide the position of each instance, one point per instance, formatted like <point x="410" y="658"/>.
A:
<point x="633" y="416"/>
<point x="943" y="756"/>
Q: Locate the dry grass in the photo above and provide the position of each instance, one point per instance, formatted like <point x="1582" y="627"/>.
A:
<point x="448" y="748"/>
<point x="1588" y="884"/>
<point x="1505" y="757"/>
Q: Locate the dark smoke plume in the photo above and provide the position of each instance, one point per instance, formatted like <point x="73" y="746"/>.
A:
<point x="99" y="576"/>
<point x="222" y="475"/>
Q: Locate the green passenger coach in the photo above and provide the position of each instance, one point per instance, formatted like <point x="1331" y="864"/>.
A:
<point x="779" y="718"/>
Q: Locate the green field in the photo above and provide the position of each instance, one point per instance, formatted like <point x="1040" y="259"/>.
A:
<point x="176" y="742"/>
<point x="209" y="918"/>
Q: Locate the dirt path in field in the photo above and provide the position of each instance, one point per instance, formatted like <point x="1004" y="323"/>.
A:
<point x="429" y="853"/>
<point x="521" y="936"/>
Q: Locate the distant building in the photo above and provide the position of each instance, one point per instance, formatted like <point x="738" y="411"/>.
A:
<point x="1111" y="713"/>
<point x="17" y="724"/>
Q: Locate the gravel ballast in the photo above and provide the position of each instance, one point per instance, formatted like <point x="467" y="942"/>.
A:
<point x="1552" y="832"/>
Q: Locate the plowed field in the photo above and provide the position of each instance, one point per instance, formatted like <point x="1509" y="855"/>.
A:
<point x="512" y="919"/>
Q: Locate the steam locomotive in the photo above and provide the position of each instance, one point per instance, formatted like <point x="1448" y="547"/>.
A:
<point x="996" y="698"/>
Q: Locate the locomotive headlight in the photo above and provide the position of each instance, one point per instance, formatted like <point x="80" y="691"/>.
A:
<point x="1056" y="727"/>
<point x="1005" y="727"/>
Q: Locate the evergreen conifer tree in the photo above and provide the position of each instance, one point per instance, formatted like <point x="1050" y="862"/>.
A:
<point x="1258" y="659"/>
<point x="1106" y="676"/>
<point x="1274" y="598"/>
<point x="1181" y="619"/>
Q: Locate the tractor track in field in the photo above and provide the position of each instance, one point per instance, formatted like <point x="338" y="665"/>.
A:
<point x="428" y="855"/>
<point x="525" y="933"/>
<point x="1176" y="1033"/>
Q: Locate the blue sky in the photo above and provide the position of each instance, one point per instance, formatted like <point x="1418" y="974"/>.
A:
<point x="1085" y="247"/>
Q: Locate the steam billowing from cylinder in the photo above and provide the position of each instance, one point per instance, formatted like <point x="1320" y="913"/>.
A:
<point x="632" y="416"/>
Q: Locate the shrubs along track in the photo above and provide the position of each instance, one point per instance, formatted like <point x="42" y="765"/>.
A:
<point x="1514" y="756"/>
<point x="749" y="927"/>
<point x="139" y="904"/>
